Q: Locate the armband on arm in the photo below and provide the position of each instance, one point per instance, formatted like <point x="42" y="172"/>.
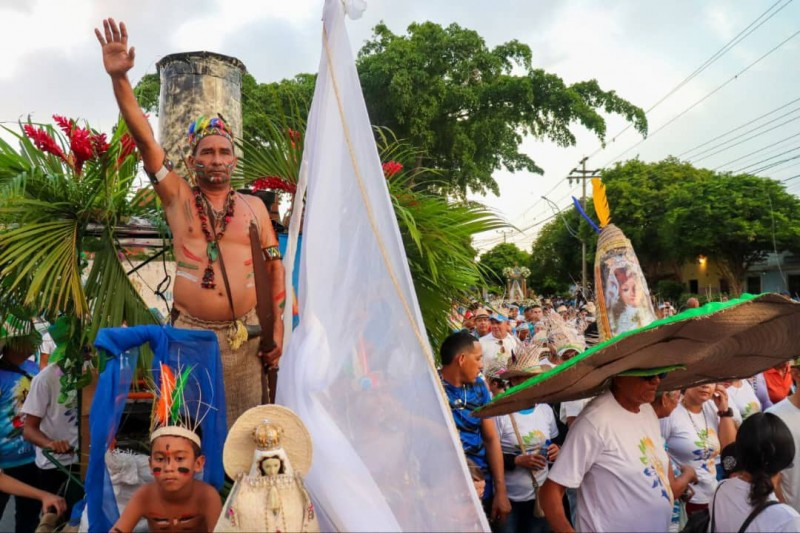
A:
<point x="158" y="176"/>
<point x="272" y="252"/>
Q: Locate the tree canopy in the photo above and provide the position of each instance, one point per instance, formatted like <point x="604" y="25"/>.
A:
<point x="501" y="256"/>
<point x="464" y="105"/>
<point x="673" y="212"/>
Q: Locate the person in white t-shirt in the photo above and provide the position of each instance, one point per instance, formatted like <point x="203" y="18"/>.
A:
<point x="788" y="410"/>
<point x="764" y="447"/>
<point x="525" y="462"/>
<point x="695" y="433"/>
<point x="742" y="396"/>
<point x="52" y="425"/>
<point x="614" y="455"/>
<point x="498" y="345"/>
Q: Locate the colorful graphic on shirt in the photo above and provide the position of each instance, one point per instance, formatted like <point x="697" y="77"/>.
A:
<point x="708" y="449"/>
<point x="750" y="408"/>
<point x="14" y="389"/>
<point x="654" y="468"/>
<point x="534" y="439"/>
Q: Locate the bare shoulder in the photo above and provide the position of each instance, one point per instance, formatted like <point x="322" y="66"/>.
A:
<point x="209" y="494"/>
<point x="257" y="207"/>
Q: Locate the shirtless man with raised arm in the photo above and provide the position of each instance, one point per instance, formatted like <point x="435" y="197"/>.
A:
<point x="195" y="215"/>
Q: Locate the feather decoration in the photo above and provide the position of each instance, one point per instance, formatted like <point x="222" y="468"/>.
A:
<point x="584" y="215"/>
<point x="177" y="394"/>
<point x="601" y="202"/>
<point x="163" y="405"/>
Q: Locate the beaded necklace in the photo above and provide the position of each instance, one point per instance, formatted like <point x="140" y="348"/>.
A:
<point x="706" y="453"/>
<point x="218" y="218"/>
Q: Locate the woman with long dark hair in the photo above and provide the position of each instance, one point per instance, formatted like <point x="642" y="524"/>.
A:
<point x="764" y="447"/>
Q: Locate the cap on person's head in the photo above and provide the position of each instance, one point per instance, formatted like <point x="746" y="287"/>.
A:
<point x="497" y="317"/>
<point x="727" y="458"/>
<point x="589" y="308"/>
<point x="659" y="371"/>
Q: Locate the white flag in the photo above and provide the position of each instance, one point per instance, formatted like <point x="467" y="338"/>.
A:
<point x="359" y="370"/>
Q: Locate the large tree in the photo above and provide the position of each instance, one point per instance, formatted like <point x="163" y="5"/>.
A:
<point x="492" y="262"/>
<point x="673" y="212"/>
<point x="556" y="254"/>
<point x="735" y="220"/>
<point x="469" y="106"/>
<point x="465" y="106"/>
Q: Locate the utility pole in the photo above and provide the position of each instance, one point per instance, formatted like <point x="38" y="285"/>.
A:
<point x="505" y="233"/>
<point x="582" y="175"/>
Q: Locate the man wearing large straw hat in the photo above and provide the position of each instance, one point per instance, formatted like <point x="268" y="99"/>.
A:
<point x="614" y="456"/>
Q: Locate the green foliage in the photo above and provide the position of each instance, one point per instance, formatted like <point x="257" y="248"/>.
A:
<point x="556" y="254"/>
<point x="738" y="220"/>
<point x="49" y="206"/>
<point x="464" y="106"/>
<point x="669" y="290"/>
<point x="468" y="107"/>
<point x="501" y="256"/>
<point x="147" y="92"/>
<point x="673" y="212"/>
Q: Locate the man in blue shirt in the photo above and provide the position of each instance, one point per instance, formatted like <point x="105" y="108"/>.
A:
<point x="18" y="340"/>
<point x="462" y="362"/>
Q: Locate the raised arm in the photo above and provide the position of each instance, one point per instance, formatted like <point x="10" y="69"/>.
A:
<point x="118" y="60"/>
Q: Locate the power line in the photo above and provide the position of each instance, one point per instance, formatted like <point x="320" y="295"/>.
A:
<point x="707" y="96"/>
<point x="747" y="139"/>
<point x="707" y="63"/>
<point x="787" y="104"/>
<point x="765" y="148"/>
<point x="738" y="170"/>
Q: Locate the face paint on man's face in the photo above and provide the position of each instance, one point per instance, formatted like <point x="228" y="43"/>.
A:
<point x="156" y="471"/>
<point x="184" y="470"/>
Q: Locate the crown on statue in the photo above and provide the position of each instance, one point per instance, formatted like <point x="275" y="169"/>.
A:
<point x="267" y="436"/>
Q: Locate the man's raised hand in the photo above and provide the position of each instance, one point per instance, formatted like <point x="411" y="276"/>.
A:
<point x="117" y="58"/>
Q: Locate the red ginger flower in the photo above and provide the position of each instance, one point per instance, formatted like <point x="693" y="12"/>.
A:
<point x="127" y="147"/>
<point x="64" y="123"/>
<point x="99" y="143"/>
<point x="390" y="168"/>
<point x="43" y="141"/>
<point x="81" y="145"/>
<point x="273" y="183"/>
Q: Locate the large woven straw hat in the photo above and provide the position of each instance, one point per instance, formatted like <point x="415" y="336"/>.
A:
<point x="720" y="341"/>
<point x="523" y="363"/>
<point x="237" y="455"/>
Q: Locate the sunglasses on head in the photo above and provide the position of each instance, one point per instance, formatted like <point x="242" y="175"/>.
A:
<point x="660" y="376"/>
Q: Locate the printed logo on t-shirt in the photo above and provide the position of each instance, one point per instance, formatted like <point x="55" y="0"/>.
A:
<point x="534" y="439"/>
<point x="750" y="408"/>
<point x="653" y="468"/>
<point x="708" y="448"/>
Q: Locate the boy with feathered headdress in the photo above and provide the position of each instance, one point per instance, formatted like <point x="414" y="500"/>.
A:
<point x="175" y="500"/>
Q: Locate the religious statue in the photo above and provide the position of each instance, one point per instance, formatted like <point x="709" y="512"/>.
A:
<point x="267" y="452"/>
<point x="517" y="282"/>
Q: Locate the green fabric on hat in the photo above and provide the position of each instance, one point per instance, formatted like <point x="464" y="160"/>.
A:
<point x="647" y="372"/>
<point x="707" y="309"/>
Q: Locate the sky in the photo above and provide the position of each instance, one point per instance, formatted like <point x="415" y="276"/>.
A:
<point x="643" y="50"/>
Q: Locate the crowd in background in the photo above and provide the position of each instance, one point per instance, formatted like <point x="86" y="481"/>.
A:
<point x="744" y="431"/>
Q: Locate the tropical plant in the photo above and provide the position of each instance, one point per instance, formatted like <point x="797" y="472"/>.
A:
<point x="436" y="232"/>
<point x="62" y="190"/>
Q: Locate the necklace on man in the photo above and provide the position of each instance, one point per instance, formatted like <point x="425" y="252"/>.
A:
<point x="218" y="219"/>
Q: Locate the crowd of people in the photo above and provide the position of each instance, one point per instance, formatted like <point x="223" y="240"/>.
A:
<point x="634" y="458"/>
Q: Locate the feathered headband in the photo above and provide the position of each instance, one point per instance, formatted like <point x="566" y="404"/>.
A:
<point x="169" y="416"/>
<point x="205" y="126"/>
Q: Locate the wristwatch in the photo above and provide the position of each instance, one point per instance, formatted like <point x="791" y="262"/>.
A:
<point x="726" y="413"/>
